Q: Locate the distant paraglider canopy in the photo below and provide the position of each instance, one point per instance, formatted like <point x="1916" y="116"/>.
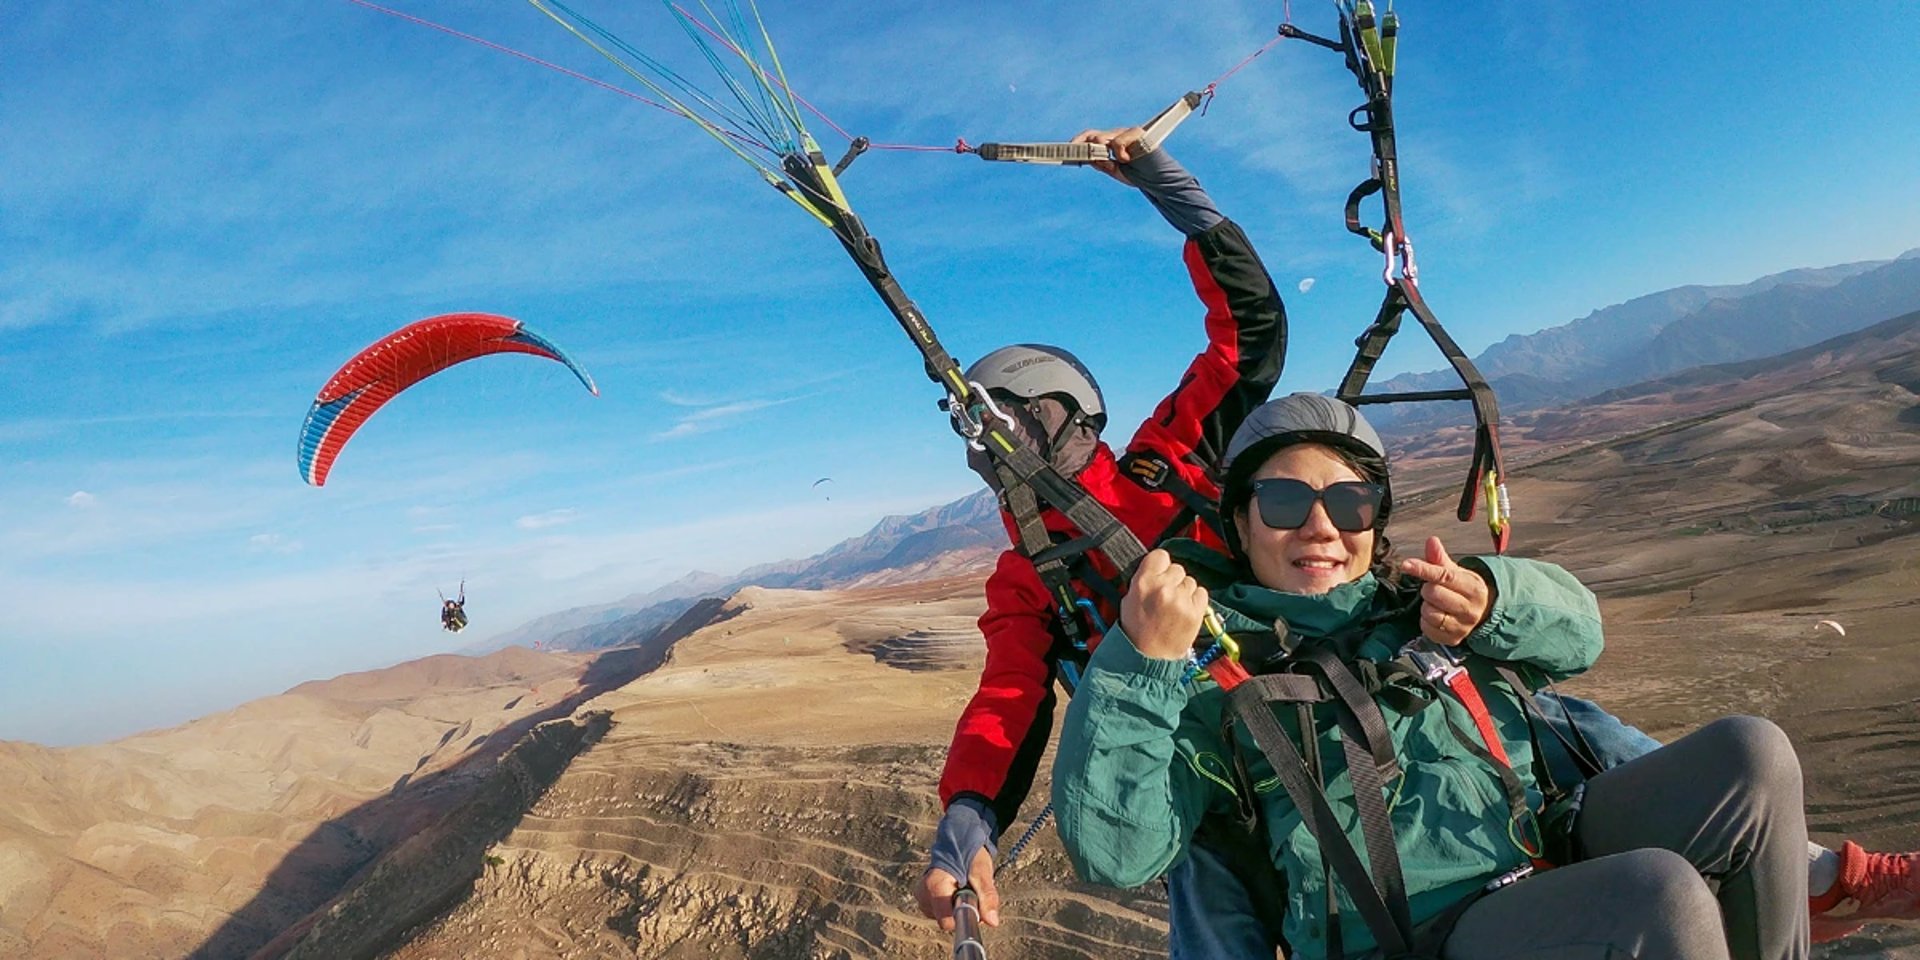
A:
<point x="1835" y="624"/>
<point x="817" y="483"/>
<point x="398" y="361"/>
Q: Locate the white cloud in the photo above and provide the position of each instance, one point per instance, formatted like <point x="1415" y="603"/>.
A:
<point x="710" y="418"/>
<point x="82" y="500"/>
<point x="551" y="518"/>
<point x="273" y="543"/>
<point x="679" y="399"/>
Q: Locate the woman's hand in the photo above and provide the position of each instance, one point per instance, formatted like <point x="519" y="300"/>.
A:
<point x="1454" y="600"/>
<point x="1162" y="610"/>
<point x="1121" y="141"/>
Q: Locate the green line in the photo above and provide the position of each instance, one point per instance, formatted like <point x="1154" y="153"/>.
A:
<point x="712" y="130"/>
<point x="793" y="108"/>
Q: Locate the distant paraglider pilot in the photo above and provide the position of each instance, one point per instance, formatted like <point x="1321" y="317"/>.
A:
<point x="453" y="613"/>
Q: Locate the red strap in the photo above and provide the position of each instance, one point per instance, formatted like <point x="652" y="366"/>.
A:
<point x="1469" y="696"/>
<point x="1228" y="673"/>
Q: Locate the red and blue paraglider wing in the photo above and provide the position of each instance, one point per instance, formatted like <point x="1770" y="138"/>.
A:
<point x="398" y="361"/>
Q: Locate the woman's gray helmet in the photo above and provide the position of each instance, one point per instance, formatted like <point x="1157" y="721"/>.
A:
<point x="1059" y="410"/>
<point x="1293" y="419"/>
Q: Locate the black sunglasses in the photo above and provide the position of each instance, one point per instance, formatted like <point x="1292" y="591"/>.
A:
<point x="1285" y="503"/>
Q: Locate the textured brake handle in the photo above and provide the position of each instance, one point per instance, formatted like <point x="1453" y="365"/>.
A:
<point x="1067" y="154"/>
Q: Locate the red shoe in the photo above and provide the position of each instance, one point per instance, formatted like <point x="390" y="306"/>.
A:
<point x="1872" y="886"/>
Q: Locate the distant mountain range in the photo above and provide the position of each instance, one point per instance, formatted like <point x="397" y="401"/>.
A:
<point x="1669" y="331"/>
<point x="948" y="538"/>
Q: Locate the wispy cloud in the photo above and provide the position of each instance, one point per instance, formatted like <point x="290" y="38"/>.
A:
<point x="41" y="428"/>
<point x="273" y="543"/>
<point x="715" y="417"/>
<point x="81" y="500"/>
<point x="547" y="520"/>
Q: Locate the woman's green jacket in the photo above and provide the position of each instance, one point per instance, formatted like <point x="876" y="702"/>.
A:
<point x="1141" y="760"/>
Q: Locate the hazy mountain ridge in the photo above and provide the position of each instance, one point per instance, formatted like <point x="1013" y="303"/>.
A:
<point x="1665" y="332"/>
<point x="548" y="626"/>
<point x="899" y="548"/>
<point x="1785" y="319"/>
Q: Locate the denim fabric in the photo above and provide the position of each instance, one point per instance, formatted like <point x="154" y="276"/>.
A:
<point x="1613" y="742"/>
<point x="1208" y="914"/>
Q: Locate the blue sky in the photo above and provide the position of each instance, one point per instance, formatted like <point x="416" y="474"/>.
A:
<point x="205" y="208"/>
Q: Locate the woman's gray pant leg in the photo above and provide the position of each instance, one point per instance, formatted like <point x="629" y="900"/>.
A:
<point x="1649" y="904"/>
<point x="1727" y="798"/>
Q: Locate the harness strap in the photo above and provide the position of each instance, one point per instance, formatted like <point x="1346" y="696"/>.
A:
<point x="1054" y="575"/>
<point x="1582" y="752"/>
<point x="1368" y="52"/>
<point x="1360" y="707"/>
<point x="1440" y="667"/>
<point x="1461" y="684"/>
<point x="1388" y="924"/>
<point x="1370" y="763"/>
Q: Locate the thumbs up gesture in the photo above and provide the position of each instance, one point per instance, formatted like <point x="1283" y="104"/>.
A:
<point x="1454" y="600"/>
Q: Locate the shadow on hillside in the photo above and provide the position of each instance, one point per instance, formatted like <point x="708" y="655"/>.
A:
<point x="338" y="854"/>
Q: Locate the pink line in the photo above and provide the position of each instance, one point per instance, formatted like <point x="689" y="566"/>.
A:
<point x="1250" y="58"/>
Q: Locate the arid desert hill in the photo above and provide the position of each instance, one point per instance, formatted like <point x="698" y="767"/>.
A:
<point x="210" y="838"/>
<point x="757" y="781"/>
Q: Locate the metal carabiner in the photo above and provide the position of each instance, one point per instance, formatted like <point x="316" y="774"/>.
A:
<point x="970" y="421"/>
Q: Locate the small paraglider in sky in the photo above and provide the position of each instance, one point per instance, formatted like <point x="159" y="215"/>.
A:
<point x="453" y="613"/>
<point x="1837" y="628"/>
<point x="817" y="483"/>
<point x="1306" y="285"/>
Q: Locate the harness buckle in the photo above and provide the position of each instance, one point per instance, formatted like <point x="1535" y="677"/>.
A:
<point x="1509" y="878"/>
<point x="1436" y="663"/>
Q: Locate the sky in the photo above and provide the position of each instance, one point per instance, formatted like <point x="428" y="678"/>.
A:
<point x="206" y="208"/>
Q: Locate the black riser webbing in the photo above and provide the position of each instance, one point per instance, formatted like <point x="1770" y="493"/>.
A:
<point x="1388" y="926"/>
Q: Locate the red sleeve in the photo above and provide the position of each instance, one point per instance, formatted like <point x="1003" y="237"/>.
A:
<point x="1003" y="732"/>
<point x="1011" y="715"/>
<point x="1246" y="347"/>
